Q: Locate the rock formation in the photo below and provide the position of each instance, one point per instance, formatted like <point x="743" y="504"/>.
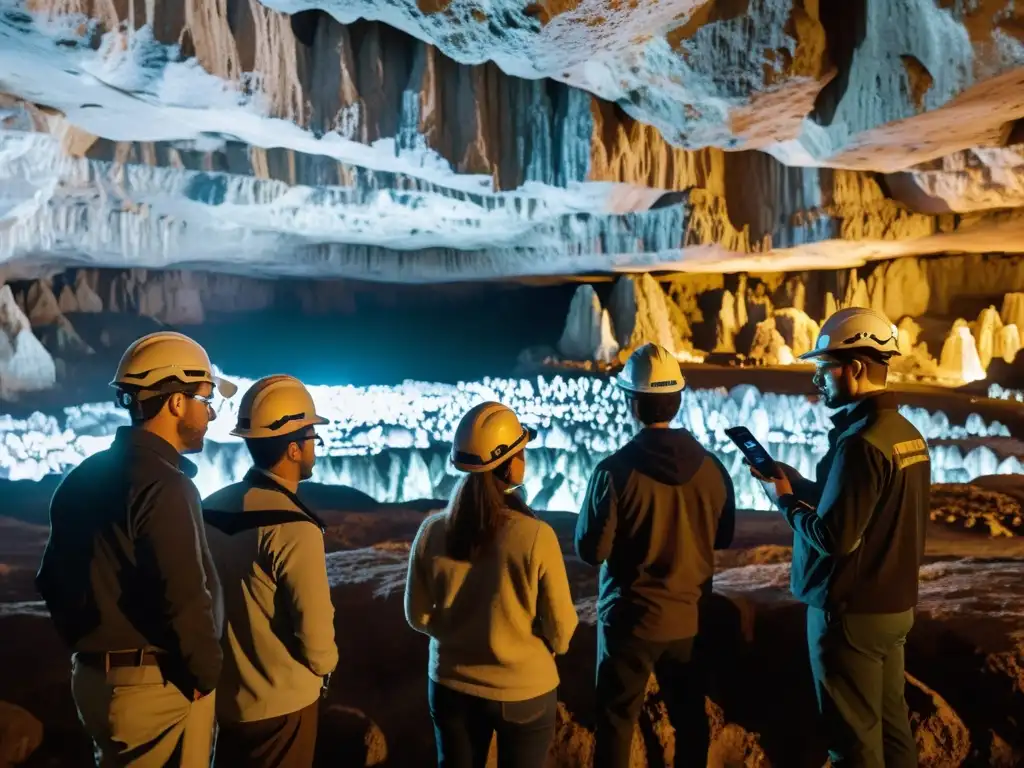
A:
<point x="729" y="315"/>
<point x="588" y="331"/>
<point x="640" y="315"/>
<point x="25" y="365"/>
<point x="331" y="138"/>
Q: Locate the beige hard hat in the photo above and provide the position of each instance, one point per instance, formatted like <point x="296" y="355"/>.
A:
<point x="651" y="368"/>
<point x="275" y="406"/>
<point x="856" y="328"/>
<point x="158" y="357"/>
<point x="487" y="436"/>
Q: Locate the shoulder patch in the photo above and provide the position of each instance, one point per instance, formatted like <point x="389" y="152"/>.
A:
<point x="909" y="452"/>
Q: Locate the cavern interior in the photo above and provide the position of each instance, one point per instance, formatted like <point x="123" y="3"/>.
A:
<point x="416" y="206"/>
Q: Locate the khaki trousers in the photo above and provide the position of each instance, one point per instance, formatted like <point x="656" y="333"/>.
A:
<point x="138" y="720"/>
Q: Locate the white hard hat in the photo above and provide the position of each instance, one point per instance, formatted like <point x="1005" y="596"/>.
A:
<point x="274" y="406"/>
<point x="856" y="328"/>
<point x="164" y="355"/>
<point x="488" y="435"/>
<point x="651" y="368"/>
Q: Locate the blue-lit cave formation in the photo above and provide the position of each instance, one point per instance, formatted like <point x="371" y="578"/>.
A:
<point x="393" y="443"/>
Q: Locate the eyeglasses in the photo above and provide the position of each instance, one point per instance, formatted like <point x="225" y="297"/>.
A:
<point x="317" y="440"/>
<point x="207" y="400"/>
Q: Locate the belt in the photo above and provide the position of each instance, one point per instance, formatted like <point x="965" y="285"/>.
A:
<point x="111" y="659"/>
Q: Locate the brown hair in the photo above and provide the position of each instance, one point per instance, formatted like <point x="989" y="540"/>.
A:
<point x="478" y="508"/>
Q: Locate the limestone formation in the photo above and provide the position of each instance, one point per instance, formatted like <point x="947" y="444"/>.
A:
<point x="639" y="314"/>
<point x="959" y="360"/>
<point x="431" y="142"/>
<point x="25" y="365"/>
<point x="588" y="333"/>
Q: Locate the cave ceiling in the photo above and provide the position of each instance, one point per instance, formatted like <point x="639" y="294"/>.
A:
<point x="428" y="141"/>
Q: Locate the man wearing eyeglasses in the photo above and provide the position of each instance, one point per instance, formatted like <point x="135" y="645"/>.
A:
<point x="279" y="649"/>
<point x="127" y="574"/>
<point x="859" y="533"/>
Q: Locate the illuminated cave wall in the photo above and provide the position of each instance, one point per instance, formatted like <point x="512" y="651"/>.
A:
<point x="392" y="442"/>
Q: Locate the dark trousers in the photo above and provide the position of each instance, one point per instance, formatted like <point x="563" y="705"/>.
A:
<point x="288" y="741"/>
<point x="464" y="725"/>
<point x="857" y="663"/>
<point x="624" y="665"/>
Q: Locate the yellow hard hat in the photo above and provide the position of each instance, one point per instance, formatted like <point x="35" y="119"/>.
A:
<point x="164" y="355"/>
<point x="274" y="406"/>
<point x="856" y="328"/>
<point x="651" y="368"/>
<point x="488" y="435"/>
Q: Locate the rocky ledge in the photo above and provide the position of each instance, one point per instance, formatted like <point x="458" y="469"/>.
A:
<point x="965" y="657"/>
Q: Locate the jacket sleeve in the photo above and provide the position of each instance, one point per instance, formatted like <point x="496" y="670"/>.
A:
<point x="847" y="503"/>
<point x="555" y="609"/>
<point x="419" y="602"/>
<point x="597" y="521"/>
<point x="213" y="585"/>
<point x="300" y="568"/>
<point x="168" y="543"/>
<point x="727" y="519"/>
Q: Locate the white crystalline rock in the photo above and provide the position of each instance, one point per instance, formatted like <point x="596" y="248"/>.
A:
<point x="639" y="313"/>
<point x="1012" y="312"/>
<point x="985" y="331"/>
<point x="588" y="331"/>
<point x="25" y="365"/>
<point x="798" y="330"/>
<point x="959" y="358"/>
<point x="1008" y="343"/>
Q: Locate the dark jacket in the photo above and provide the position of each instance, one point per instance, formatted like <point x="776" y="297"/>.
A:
<point x="860" y="527"/>
<point x="123" y="567"/>
<point x="654" y="513"/>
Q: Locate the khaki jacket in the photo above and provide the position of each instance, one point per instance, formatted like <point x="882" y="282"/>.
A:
<point x="278" y="636"/>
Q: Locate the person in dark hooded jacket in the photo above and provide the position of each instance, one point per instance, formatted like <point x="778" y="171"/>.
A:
<point x="655" y="511"/>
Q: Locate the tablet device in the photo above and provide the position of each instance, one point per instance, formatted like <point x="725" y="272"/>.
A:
<point x="754" y="452"/>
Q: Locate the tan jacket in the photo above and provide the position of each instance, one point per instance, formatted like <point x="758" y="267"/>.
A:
<point x="279" y="620"/>
<point x="494" y="624"/>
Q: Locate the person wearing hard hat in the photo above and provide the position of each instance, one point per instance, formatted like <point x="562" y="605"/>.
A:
<point x="487" y="583"/>
<point x="127" y="574"/>
<point x="279" y="649"/>
<point x="653" y="514"/>
<point x="858" y="542"/>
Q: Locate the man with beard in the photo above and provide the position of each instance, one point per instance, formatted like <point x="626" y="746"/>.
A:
<point x="127" y="575"/>
<point x="268" y="545"/>
<point x="859" y="531"/>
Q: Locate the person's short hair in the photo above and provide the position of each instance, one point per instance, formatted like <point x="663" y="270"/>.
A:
<point x="875" y="363"/>
<point x="656" y="407"/>
<point x="266" y="452"/>
<point x="145" y="404"/>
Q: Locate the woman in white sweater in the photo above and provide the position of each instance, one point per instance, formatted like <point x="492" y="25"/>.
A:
<point x="487" y="583"/>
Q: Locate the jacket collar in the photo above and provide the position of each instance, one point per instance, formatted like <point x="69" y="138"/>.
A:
<point x="134" y="438"/>
<point x="286" y="484"/>
<point x="864" y="408"/>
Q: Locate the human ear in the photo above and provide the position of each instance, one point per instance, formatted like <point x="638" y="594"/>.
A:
<point x="176" y="404"/>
